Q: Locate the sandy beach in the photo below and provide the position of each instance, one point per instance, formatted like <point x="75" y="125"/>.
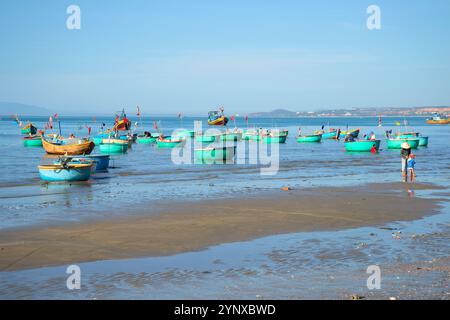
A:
<point x="189" y="227"/>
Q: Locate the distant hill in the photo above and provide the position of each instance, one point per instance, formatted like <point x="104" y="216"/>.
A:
<point x="11" y="108"/>
<point x="277" y="113"/>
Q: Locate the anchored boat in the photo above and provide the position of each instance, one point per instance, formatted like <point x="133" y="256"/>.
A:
<point x="65" y="172"/>
<point x="362" y="146"/>
<point x="68" y="147"/>
<point x="114" y="146"/>
<point x="438" y="119"/>
<point x="331" y="134"/>
<point x="217" y="118"/>
<point x="169" y="142"/>
<point x="310" y="138"/>
<point x="100" y="161"/>
<point x="397" y="143"/>
<point x="32" y="141"/>
<point x="215" y="154"/>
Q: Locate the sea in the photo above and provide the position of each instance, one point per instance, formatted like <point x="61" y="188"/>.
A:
<point x="298" y="265"/>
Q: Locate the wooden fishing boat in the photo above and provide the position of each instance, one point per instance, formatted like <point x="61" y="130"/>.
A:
<point x="114" y="146"/>
<point x="215" y="154"/>
<point x="100" y="161"/>
<point x="169" y="142"/>
<point x="362" y="145"/>
<point x="310" y="138"/>
<point x="68" y="147"/>
<point x="65" y="172"/>
<point x="216" y="118"/>
<point x="397" y="143"/>
<point x="32" y="141"/>
<point x="232" y="136"/>
<point x="354" y="133"/>
<point x="28" y="129"/>
<point x="423" y="141"/>
<point x="438" y="119"/>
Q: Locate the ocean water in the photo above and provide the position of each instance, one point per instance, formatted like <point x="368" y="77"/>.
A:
<point x="146" y="176"/>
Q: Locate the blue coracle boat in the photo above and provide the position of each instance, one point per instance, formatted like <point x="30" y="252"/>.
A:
<point x="101" y="161"/>
<point x="68" y="172"/>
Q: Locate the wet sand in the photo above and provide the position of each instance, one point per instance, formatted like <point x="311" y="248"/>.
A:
<point x="195" y="226"/>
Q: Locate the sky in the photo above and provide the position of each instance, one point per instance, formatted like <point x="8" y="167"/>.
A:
<point x="192" y="56"/>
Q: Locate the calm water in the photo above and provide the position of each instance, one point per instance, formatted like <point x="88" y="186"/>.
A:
<point x="146" y="174"/>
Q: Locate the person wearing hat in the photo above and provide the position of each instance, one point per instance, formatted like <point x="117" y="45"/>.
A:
<point x="405" y="152"/>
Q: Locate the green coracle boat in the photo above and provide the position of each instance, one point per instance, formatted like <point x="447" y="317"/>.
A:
<point x="205" y="138"/>
<point x="113" y="146"/>
<point x="423" y="141"/>
<point x="405" y="135"/>
<point x="362" y="146"/>
<point x="275" y="139"/>
<point x="145" y="140"/>
<point x="310" y="138"/>
<point x="397" y="143"/>
<point x="32" y="141"/>
<point x="168" y="142"/>
<point x="215" y="154"/>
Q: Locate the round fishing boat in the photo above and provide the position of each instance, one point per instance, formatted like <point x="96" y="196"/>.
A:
<point x="34" y="141"/>
<point x="100" y="161"/>
<point x="145" y="140"/>
<point x="329" y="134"/>
<point x="406" y="135"/>
<point x="168" y="142"/>
<point x="114" y="146"/>
<point x="310" y="138"/>
<point x="397" y="143"/>
<point x="69" y="172"/>
<point x="275" y="139"/>
<point x="205" y="138"/>
<point x="215" y="154"/>
<point x="423" y="141"/>
<point x="362" y="146"/>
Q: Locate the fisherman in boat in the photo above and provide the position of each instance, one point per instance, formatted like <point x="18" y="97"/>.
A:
<point x="72" y="136"/>
<point x="147" y="134"/>
<point x="372" y="136"/>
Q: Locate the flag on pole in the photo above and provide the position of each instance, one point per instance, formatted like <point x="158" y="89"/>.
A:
<point x="155" y="126"/>
<point x="138" y="111"/>
<point x="246" y="119"/>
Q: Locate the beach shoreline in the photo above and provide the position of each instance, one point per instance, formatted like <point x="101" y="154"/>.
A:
<point x="196" y="226"/>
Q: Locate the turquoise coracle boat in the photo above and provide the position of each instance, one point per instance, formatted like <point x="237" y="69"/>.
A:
<point x="397" y="143"/>
<point x="32" y="141"/>
<point x="100" y="161"/>
<point x="329" y="134"/>
<point x="310" y="138"/>
<point x="205" y="138"/>
<point x="215" y="155"/>
<point x="168" y="142"/>
<point x="362" y="146"/>
<point x="275" y="139"/>
<point x="114" y="146"/>
<point x="146" y="140"/>
<point x="423" y="141"/>
<point x="69" y="172"/>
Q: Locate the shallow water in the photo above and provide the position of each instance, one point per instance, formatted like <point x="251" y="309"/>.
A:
<point x="146" y="175"/>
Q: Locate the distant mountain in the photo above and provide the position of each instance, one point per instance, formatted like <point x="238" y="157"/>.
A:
<point x="277" y="113"/>
<point x="11" y="108"/>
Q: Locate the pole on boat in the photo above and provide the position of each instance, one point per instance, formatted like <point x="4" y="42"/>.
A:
<point x="59" y="127"/>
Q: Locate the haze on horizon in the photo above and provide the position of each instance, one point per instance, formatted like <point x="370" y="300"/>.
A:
<point x="192" y="56"/>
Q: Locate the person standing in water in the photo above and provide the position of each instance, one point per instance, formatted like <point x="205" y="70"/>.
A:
<point x="405" y="152"/>
<point x="410" y="167"/>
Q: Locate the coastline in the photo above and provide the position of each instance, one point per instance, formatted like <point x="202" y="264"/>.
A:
<point x="196" y="226"/>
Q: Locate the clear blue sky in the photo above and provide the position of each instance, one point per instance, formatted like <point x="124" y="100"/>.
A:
<point x="188" y="55"/>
